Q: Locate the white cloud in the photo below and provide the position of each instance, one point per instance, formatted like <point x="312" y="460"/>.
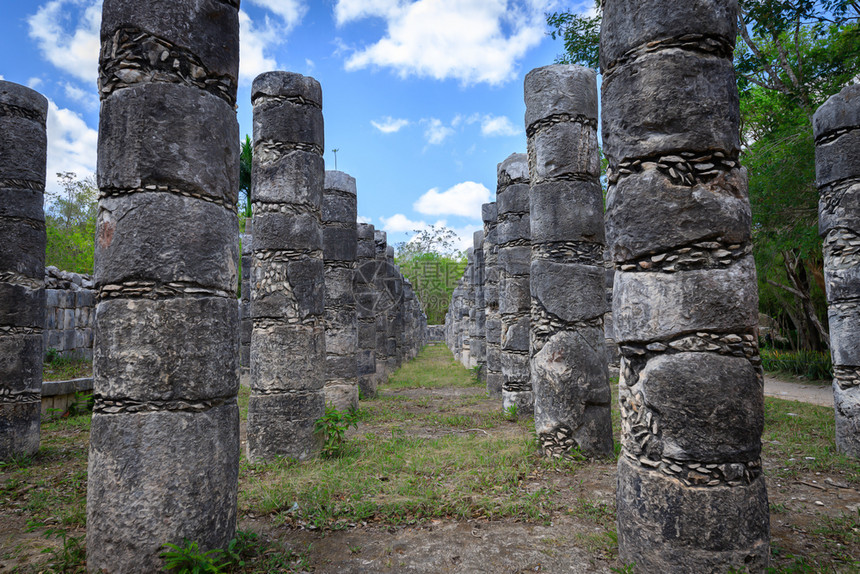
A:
<point x="436" y="132"/>
<point x="363" y="219"/>
<point x="290" y="11"/>
<point x="72" y="145"/>
<point x="399" y="223"/>
<point x="88" y="99"/>
<point x="310" y="64"/>
<point x="254" y="42"/>
<point x="1" y="77"/>
<point x="466" y="235"/>
<point x="389" y="125"/>
<point x="463" y="199"/>
<point x="472" y="41"/>
<point x="34" y="82"/>
<point x="75" y="51"/>
<point x="498" y="126"/>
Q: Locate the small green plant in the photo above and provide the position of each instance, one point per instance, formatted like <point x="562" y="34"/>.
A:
<point x="81" y="404"/>
<point x="333" y="426"/>
<point x="511" y="413"/>
<point x="51" y="355"/>
<point x="71" y="557"/>
<point x="476" y="373"/>
<point x="812" y="365"/>
<point x="189" y="559"/>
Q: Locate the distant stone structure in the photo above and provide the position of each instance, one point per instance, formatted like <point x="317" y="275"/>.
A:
<point x="492" y="321"/>
<point x="514" y="241"/>
<point x="164" y="442"/>
<point x="836" y="127"/>
<point x="70" y="310"/>
<point x="691" y="495"/>
<point x="287" y="276"/>
<point x="569" y="371"/>
<point x="23" y="153"/>
<point x="340" y="242"/>
<point x="365" y="297"/>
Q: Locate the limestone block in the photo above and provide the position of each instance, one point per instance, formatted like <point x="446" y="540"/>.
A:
<point x="19" y="429"/>
<point x="287" y="85"/>
<point x="172" y="349"/>
<point x="293" y="231"/>
<point x="699" y="114"/>
<point x="515" y="167"/>
<point x="284" y="425"/>
<point x="339" y="244"/>
<point x="24" y="142"/>
<point x="341" y="368"/>
<point x="838" y="159"/>
<point x="341" y="396"/>
<point x="515" y="334"/>
<point x="838" y="112"/>
<point x="135" y="124"/>
<point x="176" y="464"/>
<point x="655" y="306"/>
<point x="294" y="177"/>
<point x="489" y="212"/>
<point x="659" y="533"/>
<point x="270" y="372"/>
<point x="708" y="407"/>
<point x="291" y="289"/>
<point x="339" y="289"/>
<point x="132" y="244"/>
<point x="282" y="120"/>
<point x="566" y="211"/>
<point x="560" y="89"/>
<point x="22" y="250"/>
<point x="843" y="213"/>
<point x="515" y="260"/>
<point x="841" y="271"/>
<point x="187" y="24"/>
<point x="847" y="405"/>
<point x="513" y="199"/>
<point x="844" y="334"/>
<point x="631" y="24"/>
<point x="19" y="203"/>
<point x="21" y="364"/>
<point x="514" y="295"/>
<point x="562" y="149"/>
<point x="21" y="306"/>
<point x="569" y="291"/>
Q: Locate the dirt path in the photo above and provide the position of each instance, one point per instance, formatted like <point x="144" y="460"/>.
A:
<point x="812" y="393"/>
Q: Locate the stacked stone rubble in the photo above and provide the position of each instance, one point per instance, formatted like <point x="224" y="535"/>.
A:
<point x="245" y="323"/>
<point x="513" y="236"/>
<point x="23" y="149"/>
<point x="492" y="321"/>
<point x="836" y="127"/>
<point x="569" y="372"/>
<point x="691" y="496"/>
<point x="164" y="441"/>
<point x="287" y="276"/>
<point x="340" y="241"/>
<point x="365" y="296"/>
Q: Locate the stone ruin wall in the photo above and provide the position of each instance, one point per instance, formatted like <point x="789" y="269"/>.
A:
<point x="69" y="313"/>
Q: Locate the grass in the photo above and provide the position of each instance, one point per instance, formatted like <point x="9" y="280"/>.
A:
<point x="813" y="365"/>
<point x="433" y="368"/>
<point x="59" y="367"/>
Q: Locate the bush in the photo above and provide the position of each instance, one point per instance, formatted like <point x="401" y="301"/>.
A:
<point x="810" y="364"/>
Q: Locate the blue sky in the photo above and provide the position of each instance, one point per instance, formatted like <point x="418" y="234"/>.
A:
<point x="422" y="98"/>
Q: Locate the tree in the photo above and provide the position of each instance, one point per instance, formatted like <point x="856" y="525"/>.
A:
<point x="580" y="34"/>
<point x="70" y="222"/>
<point x="246" y="156"/>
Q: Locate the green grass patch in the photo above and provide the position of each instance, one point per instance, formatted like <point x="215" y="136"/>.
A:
<point x="813" y="365"/>
<point x="59" y="367"/>
<point x="433" y="368"/>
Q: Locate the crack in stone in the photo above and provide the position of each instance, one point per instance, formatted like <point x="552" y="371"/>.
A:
<point x="106" y="406"/>
<point x="264" y="99"/>
<point x="15" y="331"/>
<point x="545" y="325"/>
<point x="832" y="195"/>
<point x="132" y="56"/>
<point x="292" y="208"/>
<point x="829" y="137"/>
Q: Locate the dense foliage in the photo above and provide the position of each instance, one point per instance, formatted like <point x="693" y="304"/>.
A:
<point x="70" y="221"/>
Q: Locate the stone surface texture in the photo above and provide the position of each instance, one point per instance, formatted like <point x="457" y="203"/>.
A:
<point x="164" y="445"/>
<point x="836" y="126"/>
<point x="691" y="494"/>
<point x="288" y="345"/>
<point x="568" y="360"/>
<point x="514" y="241"/>
<point x="23" y="156"/>
<point x="365" y="295"/>
<point x="340" y="243"/>
<point x="492" y="321"/>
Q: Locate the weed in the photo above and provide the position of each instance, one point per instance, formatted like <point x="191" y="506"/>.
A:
<point x="71" y="557"/>
<point x="190" y="559"/>
<point x="510" y="413"/>
<point x="333" y="426"/>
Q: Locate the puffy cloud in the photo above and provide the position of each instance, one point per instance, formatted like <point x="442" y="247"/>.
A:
<point x="75" y="51"/>
<point x="254" y="42"/>
<point x="498" y="126"/>
<point x="89" y="99"/>
<point x="435" y="131"/>
<point x="363" y="219"/>
<point x="472" y="41"/>
<point x="463" y="199"/>
<point x="399" y="223"/>
<point x="389" y="125"/>
<point x="290" y="11"/>
<point x="34" y="82"/>
<point x="72" y="145"/>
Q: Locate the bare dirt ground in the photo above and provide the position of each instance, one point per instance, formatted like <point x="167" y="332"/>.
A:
<point x="794" y="389"/>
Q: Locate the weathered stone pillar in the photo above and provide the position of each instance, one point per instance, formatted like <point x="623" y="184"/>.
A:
<point x="245" y="323"/>
<point x="478" y="334"/>
<point x="340" y="241"/>
<point x="164" y="442"/>
<point x="23" y="149"/>
<point x="287" y="278"/>
<point x="512" y="232"/>
<point x="837" y="164"/>
<point x="394" y="286"/>
<point x="492" y="321"/>
<point x="381" y="307"/>
<point x="568" y="354"/>
<point x="691" y="494"/>
<point x="365" y="310"/>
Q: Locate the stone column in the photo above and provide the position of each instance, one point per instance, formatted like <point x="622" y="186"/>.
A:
<point x="245" y="323"/>
<point x="568" y="354"/>
<point x="23" y="149"/>
<point x="381" y="307"/>
<point x="365" y="310"/>
<point x="478" y="333"/>
<point x="340" y="241"/>
<point x="164" y="442"/>
<point x="492" y="321"/>
<point x="513" y="235"/>
<point x="394" y="286"/>
<point x="691" y="496"/>
<point x="287" y="278"/>
<point x="837" y="164"/>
